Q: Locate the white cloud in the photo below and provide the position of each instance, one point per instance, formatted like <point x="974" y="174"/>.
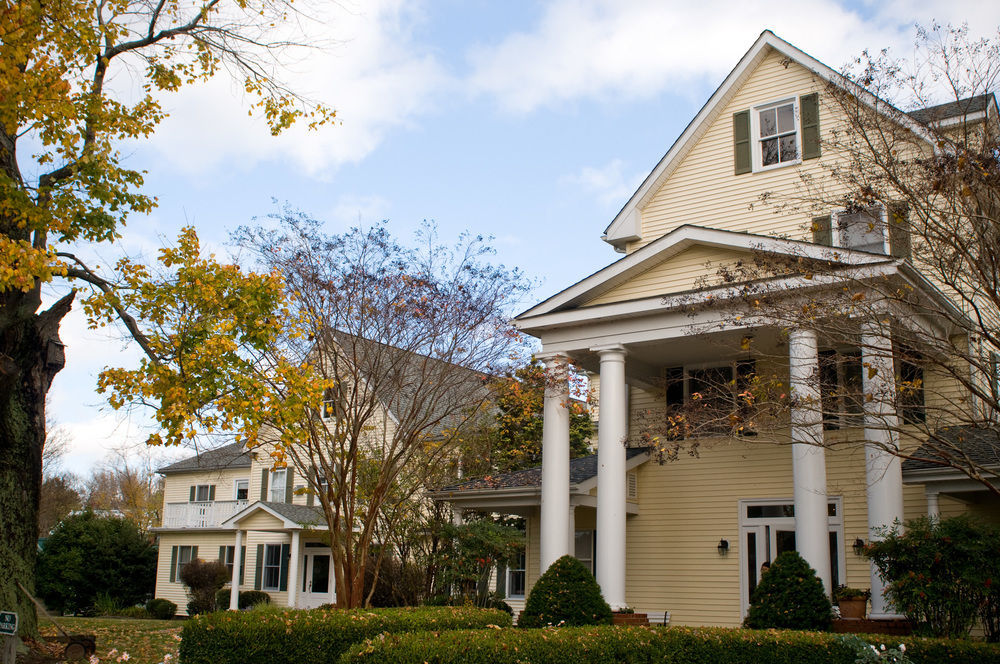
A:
<point x="353" y="210"/>
<point x="608" y="184"/>
<point x="608" y="50"/>
<point x="373" y="73"/>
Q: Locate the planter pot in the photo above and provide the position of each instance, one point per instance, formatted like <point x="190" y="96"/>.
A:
<point x="853" y="609"/>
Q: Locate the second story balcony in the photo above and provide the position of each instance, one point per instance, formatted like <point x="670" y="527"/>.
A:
<point x="203" y="514"/>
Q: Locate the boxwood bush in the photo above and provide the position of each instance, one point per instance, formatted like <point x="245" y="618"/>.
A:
<point x="313" y="637"/>
<point x="789" y="596"/>
<point x="638" y="645"/>
<point x="247" y="599"/>
<point x="566" y="594"/>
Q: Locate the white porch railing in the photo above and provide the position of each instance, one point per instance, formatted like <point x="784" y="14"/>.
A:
<point x="207" y="514"/>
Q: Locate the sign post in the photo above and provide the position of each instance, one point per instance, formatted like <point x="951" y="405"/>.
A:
<point x="8" y="636"/>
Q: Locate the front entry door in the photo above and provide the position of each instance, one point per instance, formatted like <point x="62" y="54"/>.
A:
<point x="317" y="580"/>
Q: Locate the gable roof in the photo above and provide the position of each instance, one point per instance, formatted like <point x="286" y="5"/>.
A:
<point x="221" y="458"/>
<point x="580" y="470"/>
<point x="678" y="240"/>
<point x="970" y="108"/>
<point x="626" y="226"/>
<point x="290" y="515"/>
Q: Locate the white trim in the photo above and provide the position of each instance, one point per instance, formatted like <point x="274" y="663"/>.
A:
<point x="883" y="219"/>
<point x="620" y="229"/>
<point x="236" y="488"/>
<point x="233" y="521"/>
<point x="755" y="139"/>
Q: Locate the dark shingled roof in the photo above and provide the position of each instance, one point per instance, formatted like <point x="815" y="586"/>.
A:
<point x="301" y="514"/>
<point x="952" y="109"/>
<point x="227" y="456"/>
<point x="580" y="470"/>
<point x="981" y="444"/>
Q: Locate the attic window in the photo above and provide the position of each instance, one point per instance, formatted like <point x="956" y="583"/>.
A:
<point x="777" y="134"/>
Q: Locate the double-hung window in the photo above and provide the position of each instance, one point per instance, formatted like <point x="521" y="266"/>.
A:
<point x="202" y="493"/>
<point x="278" y="487"/>
<point x="271" y="569"/>
<point x="185" y="554"/>
<point x="841" y="389"/>
<point x="708" y="396"/>
<point x="516" y="576"/>
<point x="242" y="489"/>
<point x="777" y="134"/>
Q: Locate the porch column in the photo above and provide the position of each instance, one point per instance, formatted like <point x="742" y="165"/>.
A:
<point x="883" y="473"/>
<point x="812" y="539"/>
<point x="234" y="592"/>
<point x="293" y="568"/>
<point x="933" y="509"/>
<point x="457" y="516"/>
<point x="611" y="433"/>
<point x="553" y="542"/>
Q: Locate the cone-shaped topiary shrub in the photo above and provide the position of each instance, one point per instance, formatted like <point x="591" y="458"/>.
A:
<point x="789" y="596"/>
<point x="567" y="593"/>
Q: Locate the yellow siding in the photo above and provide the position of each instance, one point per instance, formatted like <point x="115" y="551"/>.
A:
<point x="703" y="189"/>
<point x="208" y="544"/>
<point x="697" y="267"/>
<point x="177" y="486"/>
<point x="261" y="521"/>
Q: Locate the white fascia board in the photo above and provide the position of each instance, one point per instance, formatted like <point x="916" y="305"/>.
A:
<point x="675" y="242"/>
<point x="620" y="229"/>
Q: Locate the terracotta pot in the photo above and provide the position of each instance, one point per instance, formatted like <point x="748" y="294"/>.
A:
<point x="853" y="609"/>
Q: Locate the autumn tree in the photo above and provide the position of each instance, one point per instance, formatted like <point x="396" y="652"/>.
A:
<point x="63" y="183"/>
<point x="60" y="491"/>
<point x="912" y="171"/>
<point x="127" y="485"/>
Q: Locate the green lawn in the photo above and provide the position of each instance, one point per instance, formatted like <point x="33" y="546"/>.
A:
<point x="145" y="641"/>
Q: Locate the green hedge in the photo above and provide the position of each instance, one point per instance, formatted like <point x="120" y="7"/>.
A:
<point x="637" y="645"/>
<point x="312" y="637"/>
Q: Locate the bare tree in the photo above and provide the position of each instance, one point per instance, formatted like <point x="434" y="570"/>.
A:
<point x="404" y="340"/>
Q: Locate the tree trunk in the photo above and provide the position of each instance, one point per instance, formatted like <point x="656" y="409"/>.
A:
<point x="30" y="356"/>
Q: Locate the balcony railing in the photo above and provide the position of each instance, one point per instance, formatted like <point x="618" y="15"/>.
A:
<point x="208" y="514"/>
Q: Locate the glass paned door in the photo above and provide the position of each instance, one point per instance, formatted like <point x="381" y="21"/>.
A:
<point x="317" y="583"/>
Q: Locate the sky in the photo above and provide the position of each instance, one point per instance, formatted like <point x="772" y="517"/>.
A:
<point x="531" y="122"/>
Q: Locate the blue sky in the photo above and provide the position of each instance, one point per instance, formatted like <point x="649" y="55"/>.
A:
<point x="532" y="122"/>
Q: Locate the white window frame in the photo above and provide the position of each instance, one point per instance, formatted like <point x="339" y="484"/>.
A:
<point x="588" y="561"/>
<point x="328" y="414"/>
<point x="236" y="488"/>
<point x="198" y="492"/>
<point x="281" y="486"/>
<point x="265" y="566"/>
<point x="835" y="524"/>
<point x="181" y="562"/>
<point x="756" y="152"/>
<point x="883" y="218"/>
<point x="522" y="568"/>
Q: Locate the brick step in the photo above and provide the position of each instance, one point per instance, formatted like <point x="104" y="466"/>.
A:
<point x="893" y="626"/>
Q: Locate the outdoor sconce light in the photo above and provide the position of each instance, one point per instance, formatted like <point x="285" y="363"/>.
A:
<point x="723" y="546"/>
<point x="858" y="546"/>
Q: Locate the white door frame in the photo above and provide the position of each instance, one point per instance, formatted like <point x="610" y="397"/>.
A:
<point x="307" y="598"/>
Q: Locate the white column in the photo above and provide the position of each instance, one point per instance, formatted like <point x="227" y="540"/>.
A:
<point x="883" y="473"/>
<point x="933" y="509"/>
<point x="234" y="593"/>
<point x="555" y="463"/>
<point x="612" y="429"/>
<point x="812" y="539"/>
<point x="572" y="529"/>
<point x="457" y="516"/>
<point x="293" y="568"/>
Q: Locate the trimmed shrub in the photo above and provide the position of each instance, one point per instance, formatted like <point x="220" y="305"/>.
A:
<point x="203" y="579"/>
<point x="567" y="593"/>
<point x="638" y="645"/>
<point x="162" y="609"/>
<point x="313" y="637"/>
<point x="247" y="599"/>
<point x="789" y="596"/>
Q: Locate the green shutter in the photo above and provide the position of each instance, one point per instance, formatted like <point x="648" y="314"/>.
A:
<point x="809" y="115"/>
<point x="899" y="232"/>
<point x="222" y="554"/>
<point x="741" y="143"/>
<point x="194" y="553"/>
<point x="243" y="562"/>
<point x="822" y="229"/>
<point x="313" y="478"/>
<point x="211" y="492"/>
<point x="501" y="580"/>
<point x="191" y="497"/>
<point x="173" y="564"/>
<point x="286" y="550"/>
<point x="260" y="566"/>
<point x="289" y="484"/>
<point x="263" y="484"/>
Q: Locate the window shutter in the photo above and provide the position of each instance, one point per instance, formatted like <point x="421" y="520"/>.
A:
<point x="243" y="562"/>
<point x="741" y="143"/>
<point x="313" y="477"/>
<point x="263" y="484"/>
<point x="194" y="553"/>
<point x="192" y="496"/>
<point x="289" y="484"/>
<point x="211" y="492"/>
<point x="809" y="115"/>
<point x="899" y="232"/>
<point x="173" y="564"/>
<point x="222" y="554"/>
<point x="822" y="229"/>
<point x="260" y="566"/>
<point x="501" y="580"/>
<point x="283" y="576"/>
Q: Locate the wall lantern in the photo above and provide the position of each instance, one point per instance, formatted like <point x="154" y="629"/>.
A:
<point x="723" y="546"/>
<point x="858" y="546"/>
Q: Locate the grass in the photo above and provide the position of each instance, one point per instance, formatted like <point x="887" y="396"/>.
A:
<point x="145" y="641"/>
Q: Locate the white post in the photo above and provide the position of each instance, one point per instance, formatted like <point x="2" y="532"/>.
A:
<point x="812" y="539"/>
<point x="572" y="529"/>
<point x="555" y="463"/>
<point x="457" y="516"/>
<point x="933" y="508"/>
<point x="234" y="593"/>
<point x="612" y="429"/>
<point x="293" y="568"/>
<point x="883" y="473"/>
